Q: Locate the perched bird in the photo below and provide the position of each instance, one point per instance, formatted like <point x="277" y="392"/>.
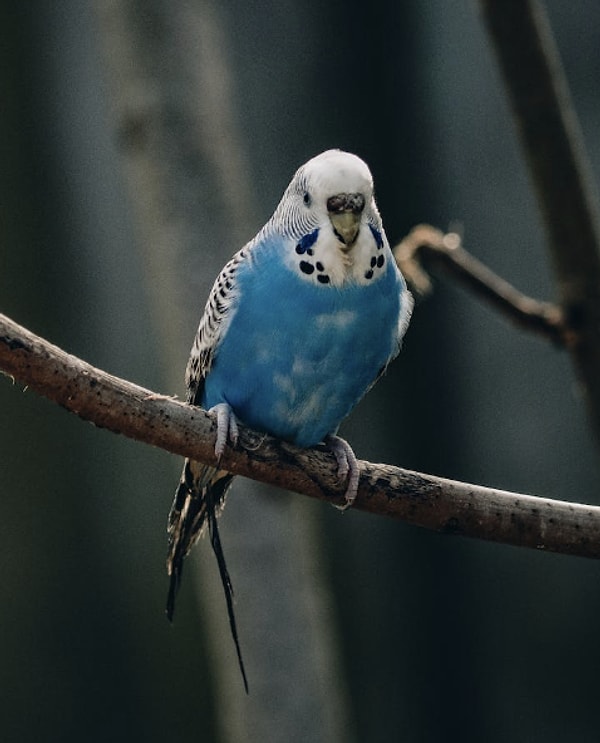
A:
<point x="298" y="326"/>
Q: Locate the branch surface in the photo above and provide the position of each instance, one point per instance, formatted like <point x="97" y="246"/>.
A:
<point x="423" y="500"/>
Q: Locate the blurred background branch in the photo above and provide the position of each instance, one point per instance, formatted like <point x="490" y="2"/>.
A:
<point x="567" y="194"/>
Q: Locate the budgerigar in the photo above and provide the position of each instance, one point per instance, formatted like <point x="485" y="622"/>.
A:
<point x="298" y="326"/>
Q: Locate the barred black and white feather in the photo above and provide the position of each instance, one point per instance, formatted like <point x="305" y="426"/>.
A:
<point x="213" y="326"/>
<point x="200" y="495"/>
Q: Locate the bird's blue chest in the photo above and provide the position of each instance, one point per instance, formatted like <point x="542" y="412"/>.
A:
<point x="296" y="357"/>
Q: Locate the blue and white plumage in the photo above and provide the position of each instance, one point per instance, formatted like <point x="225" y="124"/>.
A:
<point x="298" y="326"/>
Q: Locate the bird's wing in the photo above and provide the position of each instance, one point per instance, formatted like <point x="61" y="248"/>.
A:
<point x="189" y="510"/>
<point x="213" y="326"/>
<point x="202" y="488"/>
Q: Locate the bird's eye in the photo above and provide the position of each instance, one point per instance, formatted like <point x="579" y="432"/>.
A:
<point x="307" y="198"/>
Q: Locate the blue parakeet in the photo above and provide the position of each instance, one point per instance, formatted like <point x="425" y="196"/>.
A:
<point x="298" y="326"/>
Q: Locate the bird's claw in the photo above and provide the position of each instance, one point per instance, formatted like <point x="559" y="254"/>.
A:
<point x="347" y="467"/>
<point x="227" y="427"/>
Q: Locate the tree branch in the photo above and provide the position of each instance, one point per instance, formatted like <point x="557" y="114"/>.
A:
<point x="553" y="145"/>
<point x="426" y="245"/>
<point x="423" y="500"/>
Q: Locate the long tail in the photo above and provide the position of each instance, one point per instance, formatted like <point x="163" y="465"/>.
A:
<point x="198" y="500"/>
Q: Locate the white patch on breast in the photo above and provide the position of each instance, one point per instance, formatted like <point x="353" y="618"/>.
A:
<point x="301" y="367"/>
<point x="285" y="385"/>
<point x="340" y="320"/>
<point x="263" y="351"/>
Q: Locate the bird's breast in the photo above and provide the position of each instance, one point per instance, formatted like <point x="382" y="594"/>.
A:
<point x="297" y="357"/>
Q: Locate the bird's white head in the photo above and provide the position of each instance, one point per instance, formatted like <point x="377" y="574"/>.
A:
<point x="330" y="211"/>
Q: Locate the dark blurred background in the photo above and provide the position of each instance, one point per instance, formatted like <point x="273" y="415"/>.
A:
<point x="356" y="628"/>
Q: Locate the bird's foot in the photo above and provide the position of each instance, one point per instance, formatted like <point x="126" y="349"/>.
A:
<point x="347" y="467"/>
<point x="227" y="427"/>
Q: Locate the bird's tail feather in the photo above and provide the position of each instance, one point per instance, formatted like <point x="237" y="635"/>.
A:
<point x="215" y="541"/>
<point x="200" y="489"/>
<point x="198" y="500"/>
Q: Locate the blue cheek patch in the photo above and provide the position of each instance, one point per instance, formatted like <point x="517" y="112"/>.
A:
<point x="306" y="243"/>
<point x="377" y="235"/>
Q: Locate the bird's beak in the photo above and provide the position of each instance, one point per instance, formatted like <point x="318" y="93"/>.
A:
<point x="346" y="226"/>
<point x="344" y="212"/>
